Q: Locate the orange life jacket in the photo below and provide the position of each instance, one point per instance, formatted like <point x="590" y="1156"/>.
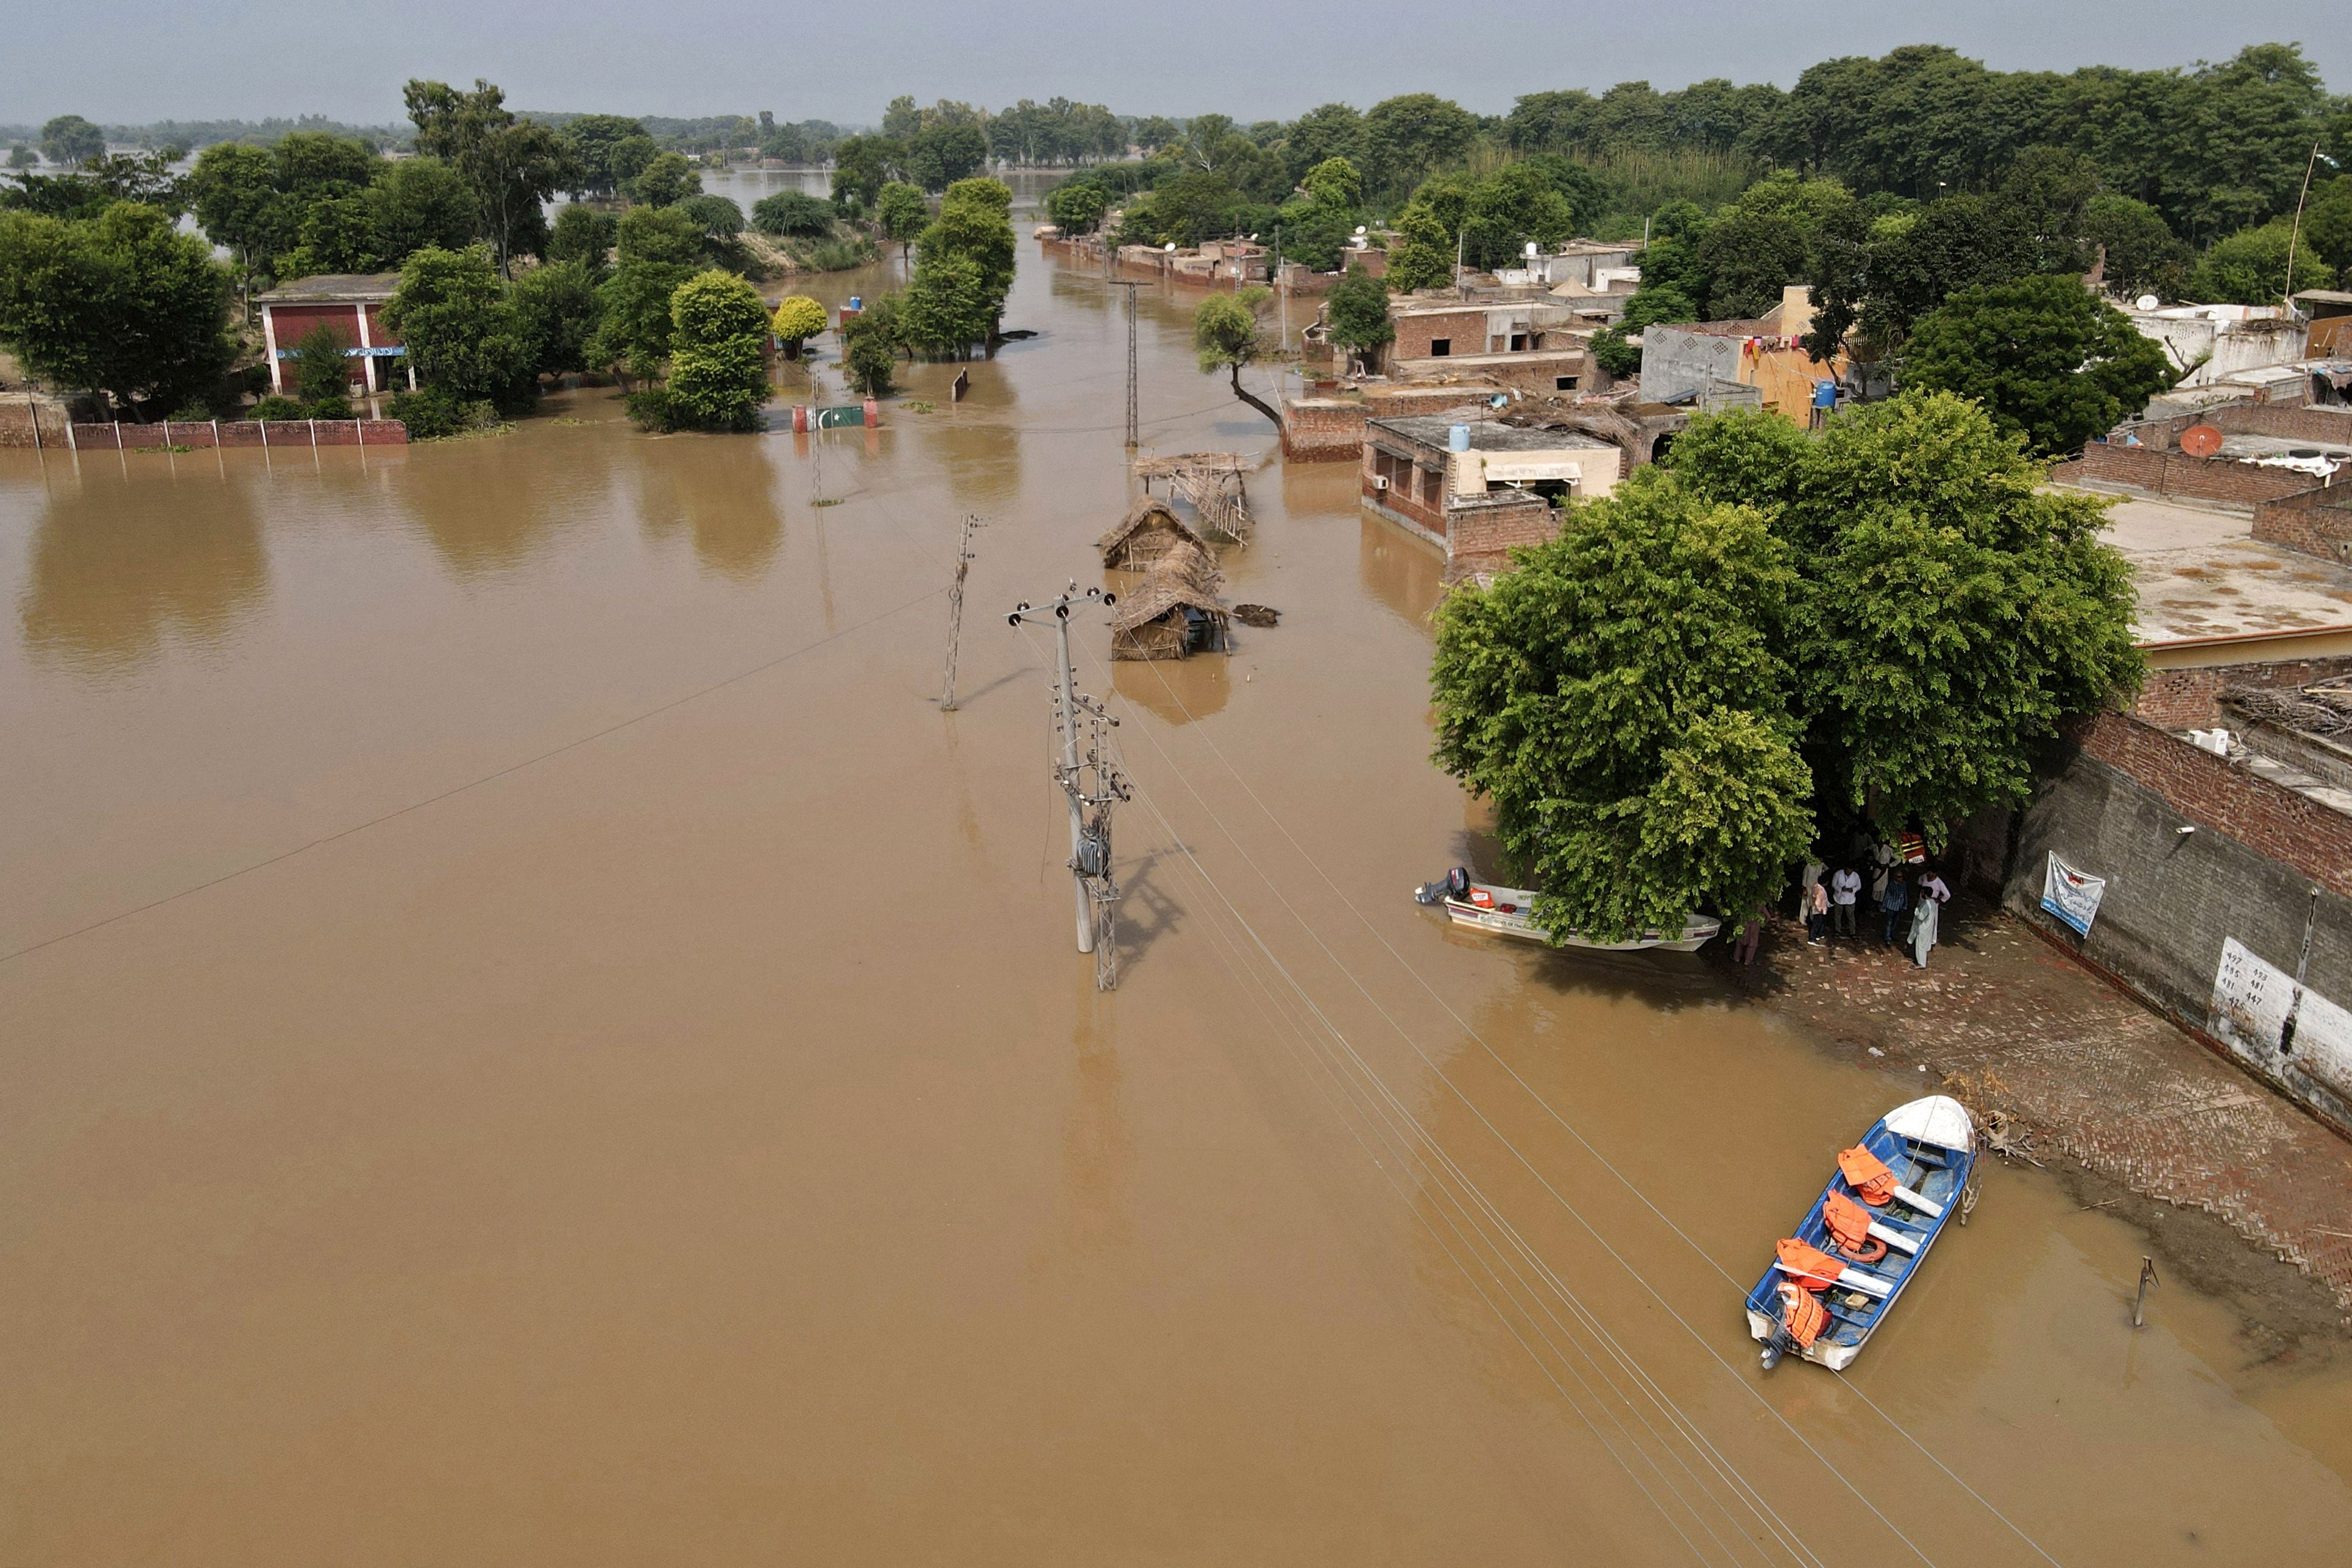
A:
<point x="1867" y="1175"/>
<point x="1849" y="1225"/>
<point x="1802" y="1316"/>
<point x="1817" y="1270"/>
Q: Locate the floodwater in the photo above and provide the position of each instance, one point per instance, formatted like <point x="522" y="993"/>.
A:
<point x="530" y="1039"/>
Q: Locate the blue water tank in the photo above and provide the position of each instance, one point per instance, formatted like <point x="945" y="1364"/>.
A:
<point x="1457" y="439"/>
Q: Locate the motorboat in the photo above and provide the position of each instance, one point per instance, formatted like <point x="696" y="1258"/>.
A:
<point x="1506" y="912"/>
<point x="1833" y="1280"/>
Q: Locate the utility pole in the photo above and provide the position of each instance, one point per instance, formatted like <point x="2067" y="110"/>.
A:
<point x="955" y="610"/>
<point x="1093" y="785"/>
<point x="1133" y="428"/>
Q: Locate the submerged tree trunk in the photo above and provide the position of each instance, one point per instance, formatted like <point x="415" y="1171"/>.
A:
<point x="1252" y="398"/>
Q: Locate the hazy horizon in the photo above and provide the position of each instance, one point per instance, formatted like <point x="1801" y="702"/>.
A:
<point x="138" y="62"/>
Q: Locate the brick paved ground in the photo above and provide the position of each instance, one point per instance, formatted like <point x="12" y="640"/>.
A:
<point x="2096" y="1077"/>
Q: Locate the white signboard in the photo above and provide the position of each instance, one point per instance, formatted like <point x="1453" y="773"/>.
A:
<point x="2071" y="895"/>
<point x="2263" y="1015"/>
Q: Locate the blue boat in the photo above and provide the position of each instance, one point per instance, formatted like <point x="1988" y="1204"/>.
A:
<point x="1835" y="1278"/>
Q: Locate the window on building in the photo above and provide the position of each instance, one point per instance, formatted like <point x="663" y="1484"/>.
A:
<point x="1433" y="487"/>
<point x="1518" y="342"/>
<point x="1440" y="347"/>
<point x="1563" y="383"/>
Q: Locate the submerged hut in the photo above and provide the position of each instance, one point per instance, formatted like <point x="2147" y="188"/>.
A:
<point x="1168" y="617"/>
<point x="1150" y="530"/>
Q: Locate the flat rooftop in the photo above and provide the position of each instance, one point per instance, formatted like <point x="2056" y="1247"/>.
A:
<point x="1486" y="434"/>
<point x="2204" y="580"/>
<point x="333" y="288"/>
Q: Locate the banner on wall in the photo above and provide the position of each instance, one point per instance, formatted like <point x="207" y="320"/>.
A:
<point x="2072" y="896"/>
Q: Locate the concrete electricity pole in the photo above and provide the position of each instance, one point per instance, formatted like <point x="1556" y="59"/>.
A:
<point x="955" y="612"/>
<point x="1093" y="785"/>
<point x="1133" y="440"/>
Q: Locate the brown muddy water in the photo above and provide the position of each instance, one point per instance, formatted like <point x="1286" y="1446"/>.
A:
<point x="530" y="1040"/>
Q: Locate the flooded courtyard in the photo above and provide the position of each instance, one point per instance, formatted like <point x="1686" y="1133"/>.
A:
<point x="532" y="1040"/>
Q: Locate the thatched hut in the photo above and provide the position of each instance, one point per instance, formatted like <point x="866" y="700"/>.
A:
<point x="1168" y="617"/>
<point x="1150" y="530"/>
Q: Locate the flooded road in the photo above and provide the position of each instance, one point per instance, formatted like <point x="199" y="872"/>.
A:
<point x="530" y="1040"/>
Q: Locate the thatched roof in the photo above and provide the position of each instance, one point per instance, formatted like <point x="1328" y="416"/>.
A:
<point x="1190" y="563"/>
<point x="1149" y="511"/>
<point x="1161" y="592"/>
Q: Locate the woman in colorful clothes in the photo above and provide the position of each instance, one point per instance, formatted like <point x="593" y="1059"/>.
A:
<point x="1922" y="927"/>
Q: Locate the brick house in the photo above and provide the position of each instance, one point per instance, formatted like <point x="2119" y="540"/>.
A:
<point x="1478" y="493"/>
<point x="351" y="302"/>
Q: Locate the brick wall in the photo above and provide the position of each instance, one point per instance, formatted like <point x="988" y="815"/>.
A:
<point x="1464" y="331"/>
<point x="2315" y="522"/>
<point x="1318" y="429"/>
<point x="2171" y="474"/>
<point x="2172" y="899"/>
<point x="2292" y="422"/>
<point x="1415" y="496"/>
<point x="1481" y="533"/>
<point x="2267" y="818"/>
<point x="303" y="433"/>
<point x="18" y="427"/>
<point x="2186" y="699"/>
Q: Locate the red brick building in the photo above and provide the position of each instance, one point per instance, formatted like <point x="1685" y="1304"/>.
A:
<point x="1479" y="500"/>
<point x="351" y="302"/>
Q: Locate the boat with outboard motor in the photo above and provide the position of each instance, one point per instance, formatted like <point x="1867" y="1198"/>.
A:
<point x="1504" y="912"/>
<point x="1832" y="1282"/>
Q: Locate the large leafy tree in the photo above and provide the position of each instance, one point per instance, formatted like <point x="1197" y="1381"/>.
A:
<point x="1955" y="612"/>
<point x="1356" y="315"/>
<point x="861" y="165"/>
<point x="657" y="249"/>
<point x="416" y="203"/>
<point x="121" y="304"/>
<point x="513" y="167"/>
<point x="72" y="141"/>
<point x="795" y="213"/>
<point x="947" y="307"/>
<point x="607" y="151"/>
<point x="2250" y="267"/>
<point x="974" y="225"/>
<point x="665" y="182"/>
<point x="237" y="202"/>
<point x="1625" y="697"/>
<point x="945" y="151"/>
<point x="1407" y="137"/>
<point x="2046" y="357"/>
<point x="558" y="309"/>
<point x="463" y="333"/>
<point x="717" y="378"/>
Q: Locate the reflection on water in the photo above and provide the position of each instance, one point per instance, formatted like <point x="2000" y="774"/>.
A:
<point x="1176" y="690"/>
<point x="116" y="568"/>
<point x="1097" y="1157"/>
<point x="1398" y="570"/>
<point x="719" y="491"/>
<point x="486" y="511"/>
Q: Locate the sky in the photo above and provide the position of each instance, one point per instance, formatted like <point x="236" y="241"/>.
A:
<point x="133" y="61"/>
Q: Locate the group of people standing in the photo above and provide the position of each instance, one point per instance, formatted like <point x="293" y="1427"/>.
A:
<point x="1910" y="904"/>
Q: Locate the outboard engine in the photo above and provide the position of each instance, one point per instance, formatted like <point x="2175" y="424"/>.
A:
<point x="1775" y="1348"/>
<point x="1454" y="884"/>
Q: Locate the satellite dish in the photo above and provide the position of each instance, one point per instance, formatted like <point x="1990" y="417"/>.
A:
<point x="1169" y="246"/>
<point x="1531" y="252"/>
<point x="1359" y="228"/>
<point x="2201" y="440"/>
<point x="2148" y="302"/>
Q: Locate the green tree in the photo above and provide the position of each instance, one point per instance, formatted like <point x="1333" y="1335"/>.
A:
<point x="2327" y="224"/>
<point x="869" y="348"/>
<point x="513" y="165"/>
<point x="942" y="153"/>
<point x="71" y="140"/>
<point x="604" y="150"/>
<point x="2045" y="358"/>
<point x="419" y="201"/>
<point x="900" y="213"/>
<point x="1625" y="697"/>
<point x="947" y="308"/>
<point x="559" y="311"/>
<point x="1517" y="205"/>
<point x="1429" y="236"/>
<point x="792" y="212"/>
<point x="1356" y="316"/>
<point x="975" y="224"/>
<point x="462" y="332"/>
<point x="122" y="305"/>
<point x="1334" y="183"/>
<point x="797" y="320"/>
<point x="1956" y="612"/>
<point x="585" y="235"/>
<point x="337" y="235"/>
<point x="1076" y="205"/>
<point x="21" y="156"/>
<point x="1408" y="137"/>
<point x="2250" y="267"/>
<point x="238" y="204"/>
<point x="1226" y="336"/>
<point x="2141" y="253"/>
<point x="321" y="369"/>
<point x="717" y="378"/>
<point x="861" y="165"/>
<point x="1748" y="257"/>
<point x="666" y="182"/>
